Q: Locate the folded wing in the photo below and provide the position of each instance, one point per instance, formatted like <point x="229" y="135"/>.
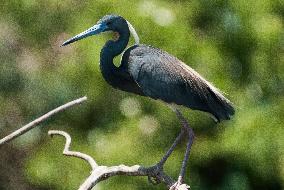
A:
<point x="162" y="76"/>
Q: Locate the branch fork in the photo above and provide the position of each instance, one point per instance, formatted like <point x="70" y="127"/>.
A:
<point x="100" y="172"/>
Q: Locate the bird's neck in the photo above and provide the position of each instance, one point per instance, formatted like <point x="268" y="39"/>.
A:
<point x="110" y="50"/>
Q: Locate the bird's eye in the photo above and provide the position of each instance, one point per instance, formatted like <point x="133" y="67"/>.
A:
<point x="108" y="23"/>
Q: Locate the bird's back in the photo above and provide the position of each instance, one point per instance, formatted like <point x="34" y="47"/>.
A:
<point x="162" y="76"/>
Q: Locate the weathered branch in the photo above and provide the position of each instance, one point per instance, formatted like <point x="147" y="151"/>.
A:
<point x="100" y="173"/>
<point x="39" y="120"/>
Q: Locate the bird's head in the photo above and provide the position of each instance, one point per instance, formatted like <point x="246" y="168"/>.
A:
<point x="107" y="23"/>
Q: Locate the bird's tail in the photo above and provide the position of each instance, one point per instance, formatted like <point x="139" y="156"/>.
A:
<point x="220" y="106"/>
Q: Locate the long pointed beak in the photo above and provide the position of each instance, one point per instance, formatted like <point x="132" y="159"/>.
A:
<point x="96" y="29"/>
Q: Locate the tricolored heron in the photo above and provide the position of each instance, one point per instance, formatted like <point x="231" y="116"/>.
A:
<point x="149" y="71"/>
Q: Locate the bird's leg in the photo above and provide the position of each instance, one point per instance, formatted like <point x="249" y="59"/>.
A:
<point x="190" y="135"/>
<point x="171" y="149"/>
<point x="185" y="130"/>
<point x="175" y="143"/>
<point x="159" y="166"/>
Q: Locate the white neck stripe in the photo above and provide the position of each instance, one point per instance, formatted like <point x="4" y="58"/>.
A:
<point x="133" y="32"/>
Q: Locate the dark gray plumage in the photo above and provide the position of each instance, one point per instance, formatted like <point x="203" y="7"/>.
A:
<point x="162" y="76"/>
<point x="149" y="71"/>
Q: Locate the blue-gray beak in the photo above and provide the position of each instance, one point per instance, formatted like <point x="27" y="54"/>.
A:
<point x="96" y="29"/>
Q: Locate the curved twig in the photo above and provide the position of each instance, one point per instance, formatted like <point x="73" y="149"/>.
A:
<point x="39" y="120"/>
<point x="68" y="152"/>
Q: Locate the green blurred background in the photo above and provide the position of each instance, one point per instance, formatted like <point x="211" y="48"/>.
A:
<point x="237" y="45"/>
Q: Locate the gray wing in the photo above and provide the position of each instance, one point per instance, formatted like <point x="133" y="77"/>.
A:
<point x="162" y="76"/>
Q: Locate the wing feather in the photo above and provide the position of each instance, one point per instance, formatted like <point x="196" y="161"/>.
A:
<point x="162" y="76"/>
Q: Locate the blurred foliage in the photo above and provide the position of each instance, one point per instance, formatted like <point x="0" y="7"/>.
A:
<point x="238" y="45"/>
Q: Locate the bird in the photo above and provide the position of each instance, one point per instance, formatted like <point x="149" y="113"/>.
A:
<point x="148" y="71"/>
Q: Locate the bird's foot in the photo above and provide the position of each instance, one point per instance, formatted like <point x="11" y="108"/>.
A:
<point x="156" y="171"/>
<point x="179" y="185"/>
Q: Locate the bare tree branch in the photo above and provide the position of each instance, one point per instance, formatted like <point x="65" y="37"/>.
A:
<point x="104" y="172"/>
<point x="154" y="173"/>
<point x="100" y="173"/>
<point x="39" y="120"/>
